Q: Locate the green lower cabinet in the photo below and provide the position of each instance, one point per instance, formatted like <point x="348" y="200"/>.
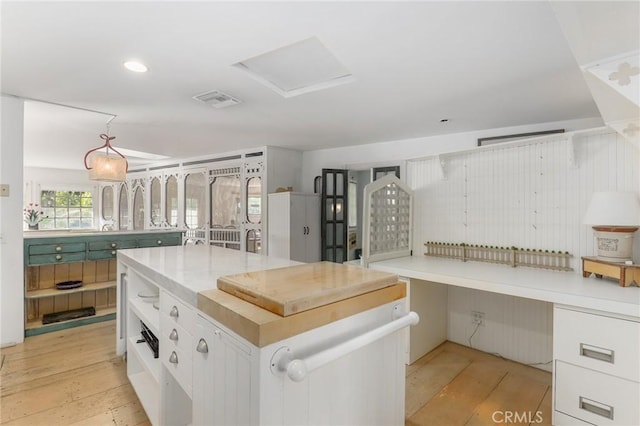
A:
<point x="46" y="259"/>
<point x="56" y="248"/>
<point x="90" y="258"/>
<point x="161" y="241"/>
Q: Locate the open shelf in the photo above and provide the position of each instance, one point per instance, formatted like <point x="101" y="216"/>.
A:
<point x="145" y="355"/>
<point x="48" y="292"/>
<point x="143" y="372"/>
<point x="35" y="327"/>
<point x="145" y="311"/>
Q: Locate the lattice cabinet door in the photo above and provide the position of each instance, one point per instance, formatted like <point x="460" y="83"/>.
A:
<point x="387" y="222"/>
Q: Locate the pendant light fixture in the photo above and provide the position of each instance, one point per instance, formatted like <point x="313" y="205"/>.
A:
<point x="105" y="167"/>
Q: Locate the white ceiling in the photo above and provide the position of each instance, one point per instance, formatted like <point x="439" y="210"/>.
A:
<point x="480" y="64"/>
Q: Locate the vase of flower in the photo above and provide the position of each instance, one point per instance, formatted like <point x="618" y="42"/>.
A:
<point x="33" y="216"/>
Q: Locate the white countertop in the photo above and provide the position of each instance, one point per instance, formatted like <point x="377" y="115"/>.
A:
<point x="86" y="232"/>
<point x="187" y="270"/>
<point x="568" y="288"/>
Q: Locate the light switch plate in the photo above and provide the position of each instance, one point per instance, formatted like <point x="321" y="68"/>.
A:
<point x="4" y="190"/>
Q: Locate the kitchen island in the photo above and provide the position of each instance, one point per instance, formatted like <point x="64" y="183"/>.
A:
<point x="286" y="343"/>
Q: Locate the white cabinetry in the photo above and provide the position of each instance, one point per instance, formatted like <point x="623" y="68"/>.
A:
<point x="176" y="340"/>
<point x="237" y="383"/>
<point x="596" y="367"/>
<point x="143" y="369"/>
<point x="163" y="383"/>
<point x="222" y="377"/>
<point x="294" y="226"/>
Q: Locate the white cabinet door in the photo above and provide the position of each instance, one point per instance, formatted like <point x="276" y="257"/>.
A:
<point x="298" y="224"/>
<point x="312" y="238"/>
<point x="221" y="377"/>
<point x="294" y="226"/>
<point x="279" y="224"/>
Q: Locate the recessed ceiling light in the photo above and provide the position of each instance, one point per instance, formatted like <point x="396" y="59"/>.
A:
<point x="135" y="66"/>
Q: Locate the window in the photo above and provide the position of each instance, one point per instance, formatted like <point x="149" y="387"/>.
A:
<point x="156" y="218"/>
<point x="225" y="201"/>
<point x="378" y="172"/>
<point x="254" y="200"/>
<point x="138" y="208"/>
<point x="107" y="203"/>
<point x="124" y="208"/>
<point x="171" y="200"/>
<point x="67" y="209"/>
<point x="195" y="199"/>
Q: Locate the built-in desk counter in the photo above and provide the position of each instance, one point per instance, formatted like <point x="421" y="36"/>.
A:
<point x="568" y="288"/>
<point x="596" y="329"/>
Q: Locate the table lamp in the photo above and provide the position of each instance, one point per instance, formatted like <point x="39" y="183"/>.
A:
<point x="615" y="217"/>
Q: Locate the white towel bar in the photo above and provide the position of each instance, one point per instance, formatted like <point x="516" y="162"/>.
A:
<point x="297" y="369"/>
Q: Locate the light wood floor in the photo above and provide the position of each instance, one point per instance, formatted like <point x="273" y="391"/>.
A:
<point x="73" y="377"/>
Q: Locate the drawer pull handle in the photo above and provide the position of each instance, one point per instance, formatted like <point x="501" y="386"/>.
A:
<point x="594" y="352"/>
<point x="173" y="358"/>
<point x="202" y="347"/>
<point x="114" y="245"/>
<point x="159" y="242"/>
<point x="174" y="312"/>
<point x="174" y="335"/>
<point x="113" y="252"/>
<point x="58" y="248"/>
<point x="596" y="408"/>
<point x="58" y="257"/>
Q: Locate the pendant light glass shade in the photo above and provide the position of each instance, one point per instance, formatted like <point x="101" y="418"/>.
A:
<point x="105" y="167"/>
<point x="110" y="168"/>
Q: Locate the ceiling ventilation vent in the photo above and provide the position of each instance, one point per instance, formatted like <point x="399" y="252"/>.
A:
<point x="217" y="99"/>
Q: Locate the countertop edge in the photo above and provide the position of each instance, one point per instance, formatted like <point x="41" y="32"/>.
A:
<point x="261" y="327"/>
<point x="590" y="298"/>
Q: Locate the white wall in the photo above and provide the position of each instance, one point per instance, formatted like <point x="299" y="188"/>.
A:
<point x="11" y="243"/>
<point x="36" y="177"/>
<point x="528" y="196"/>
<point x="393" y="152"/>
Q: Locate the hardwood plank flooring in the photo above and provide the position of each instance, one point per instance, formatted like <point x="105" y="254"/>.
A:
<point x="73" y="377"/>
<point x="68" y="377"/>
<point x="482" y="390"/>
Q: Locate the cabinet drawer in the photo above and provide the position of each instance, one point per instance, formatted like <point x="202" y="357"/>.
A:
<point x="56" y="248"/>
<point x="109" y="245"/>
<point x="605" y="344"/>
<point x="181" y="367"/>
<point x="102" y="254"/>
<point x="42" y="259"/>
<point x="561" y="419"/>
<point x="173" y="335"/>
<point x="596" y="397"/>
<point x="176" y="311"/>
<point x="160" y="240"/>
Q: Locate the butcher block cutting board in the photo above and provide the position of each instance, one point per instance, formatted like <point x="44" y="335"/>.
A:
<point x="294" y="289"/>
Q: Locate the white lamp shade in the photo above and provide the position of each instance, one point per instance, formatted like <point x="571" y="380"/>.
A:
<point x="108" y="168"/>
<point x="613" y="209"/>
